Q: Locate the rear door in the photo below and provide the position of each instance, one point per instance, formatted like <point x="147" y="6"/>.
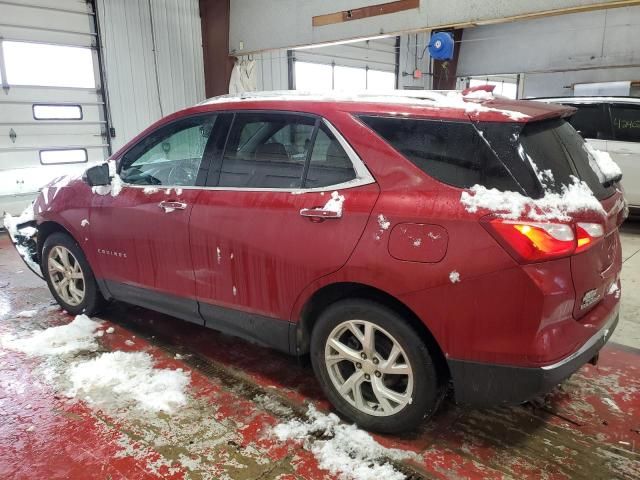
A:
<point x="141" y="232"/>
<point x="286" y="203"/>
<point x="625" y="147"/>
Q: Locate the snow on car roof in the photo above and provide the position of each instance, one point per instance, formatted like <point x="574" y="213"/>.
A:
<point x="475" y="103"/>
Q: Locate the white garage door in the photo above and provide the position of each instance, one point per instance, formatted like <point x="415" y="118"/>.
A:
<point x="52" y="114"/>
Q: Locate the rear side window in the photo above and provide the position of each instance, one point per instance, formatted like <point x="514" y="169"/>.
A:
<point x="330" y="164"/>
<point x="531" y="158"/>
<point x="626" y="122"/>
<point x="451" y="152"/>
<point x="280" y="151"/>
<point x="591" y="121"/>
<point x="266" y="150"/>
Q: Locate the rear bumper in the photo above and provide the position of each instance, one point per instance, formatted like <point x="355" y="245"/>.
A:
<point x="486" y="385"/>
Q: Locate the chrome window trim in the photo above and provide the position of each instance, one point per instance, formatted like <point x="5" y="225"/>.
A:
<point x="363" y="175"/>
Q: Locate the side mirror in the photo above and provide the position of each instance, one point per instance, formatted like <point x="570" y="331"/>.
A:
<point x="98" y="175"/>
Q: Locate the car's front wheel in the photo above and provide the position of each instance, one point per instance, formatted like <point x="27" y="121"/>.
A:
<point x="373" y="366"/>
<point x="69" y="276"/>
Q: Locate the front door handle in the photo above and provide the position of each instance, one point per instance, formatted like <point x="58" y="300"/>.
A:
<point x="319" y="213"/>
<point x="171" y="206"/>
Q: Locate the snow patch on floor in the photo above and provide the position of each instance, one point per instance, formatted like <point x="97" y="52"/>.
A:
<point x="454" y="277"/>
<point x="343" y="450"/>
<point x="574" y="198"/>
<point x="79" y="335"/>
<point x="128" y="379"/>
<point x="27" y="314"/>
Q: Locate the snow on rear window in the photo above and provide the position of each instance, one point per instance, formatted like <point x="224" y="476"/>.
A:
<point x="577" y="197"/>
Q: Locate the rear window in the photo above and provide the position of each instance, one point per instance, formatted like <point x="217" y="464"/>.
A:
<point x="554" y="147"/>
<point x="528" y="158"/>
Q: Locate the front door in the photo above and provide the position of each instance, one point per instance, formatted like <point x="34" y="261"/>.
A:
<point x="285" y="205"/>
<point x="141" y="230"/>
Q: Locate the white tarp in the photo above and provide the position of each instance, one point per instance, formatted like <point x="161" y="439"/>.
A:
<point x="243" y="77"/>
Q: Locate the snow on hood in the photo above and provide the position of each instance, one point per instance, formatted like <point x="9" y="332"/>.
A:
<point x="574" y="198"/>
<point x="471" y="103"/>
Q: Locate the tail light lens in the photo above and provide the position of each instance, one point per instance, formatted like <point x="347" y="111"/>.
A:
<point x="540" y="241"/>
<point x="588" y="235"/>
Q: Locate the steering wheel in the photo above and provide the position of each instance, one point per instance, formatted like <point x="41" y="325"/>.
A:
<point x="179" y="175"/>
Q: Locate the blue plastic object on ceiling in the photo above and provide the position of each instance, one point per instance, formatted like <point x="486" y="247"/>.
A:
<point x="441" y="46"/>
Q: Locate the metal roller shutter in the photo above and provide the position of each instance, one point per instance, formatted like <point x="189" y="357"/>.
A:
<point x="52" y="110"/>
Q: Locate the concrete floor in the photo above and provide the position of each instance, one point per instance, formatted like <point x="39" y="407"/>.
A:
<point x="628" y="331"/>
<point x="587" y="428"/>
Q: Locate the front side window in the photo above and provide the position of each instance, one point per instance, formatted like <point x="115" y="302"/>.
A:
<point x="626" y="122"/>
<point x="169" y="156"/>
<point x="266" y="150"/>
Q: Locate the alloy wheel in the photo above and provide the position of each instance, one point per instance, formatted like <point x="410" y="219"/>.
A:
<point x="66" y="275"/>
<point x="369" y="368"/>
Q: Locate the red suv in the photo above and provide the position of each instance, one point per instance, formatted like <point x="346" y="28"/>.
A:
<point x="407" y="242"/>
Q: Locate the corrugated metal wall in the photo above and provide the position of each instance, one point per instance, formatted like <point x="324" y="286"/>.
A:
<point x="152" y="60"/>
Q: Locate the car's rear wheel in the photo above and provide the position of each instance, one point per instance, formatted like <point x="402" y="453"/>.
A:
<point x="69" y="276"/>
<point x="373" y="366"/>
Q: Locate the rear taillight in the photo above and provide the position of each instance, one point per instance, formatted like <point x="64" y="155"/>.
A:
<point x="588" y="235"/>
<point x="539" y="241"/>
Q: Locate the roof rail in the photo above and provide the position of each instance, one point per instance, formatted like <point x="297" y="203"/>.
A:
<point x="429" y="95"/>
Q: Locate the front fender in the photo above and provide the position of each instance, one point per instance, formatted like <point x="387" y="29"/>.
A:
<point x="23" y="233"/>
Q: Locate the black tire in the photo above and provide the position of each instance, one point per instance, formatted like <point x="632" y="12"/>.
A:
<point x="427" y="392"/>
<point x="93" y="300"/>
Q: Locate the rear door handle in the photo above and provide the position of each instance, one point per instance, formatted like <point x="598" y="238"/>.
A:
<point x="320" y="213"/>
<point x="171" y="206"/>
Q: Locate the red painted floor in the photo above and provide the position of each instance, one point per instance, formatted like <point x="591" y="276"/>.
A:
<point x="589" y="427"/>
